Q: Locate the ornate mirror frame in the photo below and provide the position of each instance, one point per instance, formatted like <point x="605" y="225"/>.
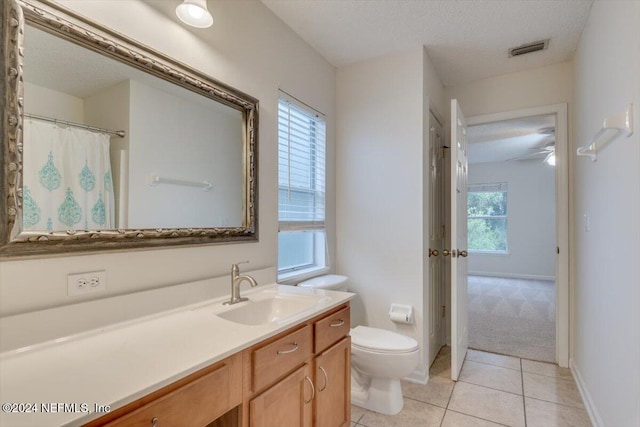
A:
<point x="58" y="20"/>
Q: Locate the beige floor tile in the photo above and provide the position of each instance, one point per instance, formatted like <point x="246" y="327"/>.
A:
<point x="548" y="369"/>
<point x="445" y="350"/>
<point x="436" y="392"/>
<point x="494" y="359"/>
<point x="441" y="366"/>
<point x="414" y="413"/>
<point x="357" y="413"/>
<point x="353" y="424"/>
<point x="491" y="376"/>
<point x="456" y="419"/>
<point x="552" y="389"/>
<point x="489" y="404"/>
<point x="545" y="414"/>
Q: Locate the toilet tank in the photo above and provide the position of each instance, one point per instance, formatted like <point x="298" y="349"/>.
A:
<point x="334" y="282"/>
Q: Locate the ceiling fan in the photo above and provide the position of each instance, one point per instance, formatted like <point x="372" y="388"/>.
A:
<point x="547" y="151"/>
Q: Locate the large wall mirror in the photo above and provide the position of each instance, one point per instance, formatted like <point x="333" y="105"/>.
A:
<point x="108" y="144"/>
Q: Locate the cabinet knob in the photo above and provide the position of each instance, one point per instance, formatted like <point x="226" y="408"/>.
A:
<point x="154" y="422"/>
<point x="446" y="252"/>
<point x="326" y="379"/>
<point x="463" y="253"/>
<point x="313" y="390"/>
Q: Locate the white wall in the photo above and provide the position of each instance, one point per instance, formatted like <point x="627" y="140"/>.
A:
<point x="248" y="48"/>
<point x="45" y="102"/>
<point x="531" y="232"/>
<point x="201" y="142"/>
<point x="515" y="91"/>
<point x="606" y="354"/>
<point x="382" y="107"/>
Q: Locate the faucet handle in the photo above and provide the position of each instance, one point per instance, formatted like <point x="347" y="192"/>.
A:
<point x="234" y="266"/>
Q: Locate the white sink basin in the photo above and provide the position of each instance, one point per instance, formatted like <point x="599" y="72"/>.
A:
<point x="269" y="307"/>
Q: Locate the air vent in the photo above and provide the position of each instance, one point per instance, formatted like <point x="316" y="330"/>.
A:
<point x="529" y="47"/>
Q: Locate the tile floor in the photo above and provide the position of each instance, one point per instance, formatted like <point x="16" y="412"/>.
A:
<point x="493" y="390"/>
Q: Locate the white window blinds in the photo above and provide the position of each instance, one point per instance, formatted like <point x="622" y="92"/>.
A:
<point x="301" y="167"/>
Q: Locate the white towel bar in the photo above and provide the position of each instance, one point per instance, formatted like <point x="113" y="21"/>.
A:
<point x="155" y="180"/>
<point x="622" y="123"/>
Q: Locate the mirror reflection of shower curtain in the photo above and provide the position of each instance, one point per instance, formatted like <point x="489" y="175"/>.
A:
<point x="67" y="178"/>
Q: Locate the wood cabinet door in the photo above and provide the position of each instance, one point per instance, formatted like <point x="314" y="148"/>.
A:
<point x="287" y="404"/>
<point x="333" y="385"/>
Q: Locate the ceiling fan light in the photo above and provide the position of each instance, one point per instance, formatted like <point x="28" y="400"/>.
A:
<point x="551" y="159"/>
<point x="194" y="13"/>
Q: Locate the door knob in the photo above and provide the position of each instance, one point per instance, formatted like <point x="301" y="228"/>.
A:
<point x="445" y="252"/>
<point x="433" y="252"/>
<point x="463" y="254"/>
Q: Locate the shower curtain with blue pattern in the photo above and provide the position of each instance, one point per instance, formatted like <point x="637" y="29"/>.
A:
<point x="67" y="178"/>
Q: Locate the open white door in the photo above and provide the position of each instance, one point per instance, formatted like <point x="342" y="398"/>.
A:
<point x="459" y="172"/>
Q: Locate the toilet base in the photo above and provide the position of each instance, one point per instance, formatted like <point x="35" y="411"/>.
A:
<point x="384" y="395"/>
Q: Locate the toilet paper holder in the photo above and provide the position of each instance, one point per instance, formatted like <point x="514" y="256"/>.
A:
<point x="400" y="313"/>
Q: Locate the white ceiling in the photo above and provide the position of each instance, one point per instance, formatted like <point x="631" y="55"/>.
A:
<point x="517" y="139"/>
<point x="466" y="39"/>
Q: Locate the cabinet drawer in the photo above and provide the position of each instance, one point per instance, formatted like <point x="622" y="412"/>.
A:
<point x="281" y="356"/>
<point x="331" y="329"/>
<point x="195" y="404"/>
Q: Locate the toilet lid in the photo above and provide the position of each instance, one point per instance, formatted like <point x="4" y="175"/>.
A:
<point x="381" y="340"/>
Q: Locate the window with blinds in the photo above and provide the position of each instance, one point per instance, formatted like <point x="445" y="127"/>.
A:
<point x="301" y="186"/>
<point x="487" y="217"/>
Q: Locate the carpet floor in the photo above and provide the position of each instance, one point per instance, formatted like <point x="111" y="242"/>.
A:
<point x="513" y="316"/>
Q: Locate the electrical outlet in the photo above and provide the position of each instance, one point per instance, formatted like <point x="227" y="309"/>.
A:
<point x="89" y="282"/>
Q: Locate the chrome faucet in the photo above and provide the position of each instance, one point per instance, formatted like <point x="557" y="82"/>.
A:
<point x="236" y="279"/>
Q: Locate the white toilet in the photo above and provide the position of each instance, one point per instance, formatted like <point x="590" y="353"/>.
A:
<point x="379" y="359"/>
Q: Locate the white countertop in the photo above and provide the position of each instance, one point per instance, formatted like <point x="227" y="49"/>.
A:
<point x="123" y="362"/>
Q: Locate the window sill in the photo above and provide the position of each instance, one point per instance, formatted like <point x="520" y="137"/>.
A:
<point x="489" y="252"/>
<point x="297" y="276"/>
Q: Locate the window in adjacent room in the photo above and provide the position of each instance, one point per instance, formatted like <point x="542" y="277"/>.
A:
<point x="301" y="189"/>
<point x="487" y="217"/>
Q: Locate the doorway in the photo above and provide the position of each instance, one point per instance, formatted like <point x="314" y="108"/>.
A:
<point x="533" y="291"/>
<point x="512" y="237"/>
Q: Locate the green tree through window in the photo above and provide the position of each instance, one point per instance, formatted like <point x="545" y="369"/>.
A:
<point x="487" y="217"/>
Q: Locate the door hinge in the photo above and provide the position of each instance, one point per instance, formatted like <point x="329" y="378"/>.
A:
<point x="444" y="310"/>
<point x="558" y="250"/>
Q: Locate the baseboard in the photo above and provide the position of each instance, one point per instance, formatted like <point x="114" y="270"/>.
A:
<point x="419" y="376"/>
<point x="511" y="275"/>
<point x="594" y="416"/>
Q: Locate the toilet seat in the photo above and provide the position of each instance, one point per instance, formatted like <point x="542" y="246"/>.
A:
<point x="381" y="341"/>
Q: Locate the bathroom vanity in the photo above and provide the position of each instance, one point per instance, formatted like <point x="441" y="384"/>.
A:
<point x="193" y="366"/>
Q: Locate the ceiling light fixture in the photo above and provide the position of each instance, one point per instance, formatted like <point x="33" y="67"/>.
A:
<point x="194" y="13"/>
<point x="551" y="159"/>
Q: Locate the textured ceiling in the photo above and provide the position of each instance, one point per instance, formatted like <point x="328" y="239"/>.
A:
<point x="60" y="65"/>
<point x="466" y="39"/>
<point x="517" y="139"/>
